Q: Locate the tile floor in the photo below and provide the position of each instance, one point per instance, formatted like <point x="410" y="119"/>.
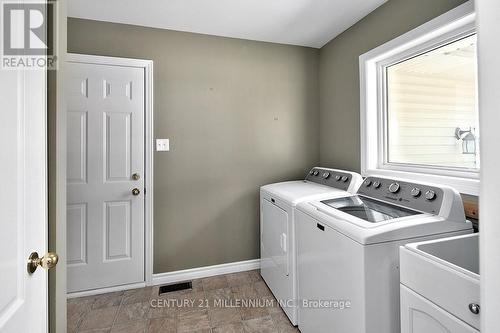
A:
<point x="239" y="302"/>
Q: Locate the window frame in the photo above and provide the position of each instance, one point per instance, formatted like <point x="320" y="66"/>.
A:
<point x="451" y="26"/>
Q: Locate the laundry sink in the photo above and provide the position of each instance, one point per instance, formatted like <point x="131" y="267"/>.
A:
<point x="459" y="253"/>
<point x="446" y="272"/>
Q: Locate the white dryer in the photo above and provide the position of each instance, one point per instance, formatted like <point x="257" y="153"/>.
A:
<point x="348" y="251"/>
<point x="277" y="227"/>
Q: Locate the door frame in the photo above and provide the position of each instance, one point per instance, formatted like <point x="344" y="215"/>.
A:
<point x="147" y="66"/>
<point x="488" y="23"/>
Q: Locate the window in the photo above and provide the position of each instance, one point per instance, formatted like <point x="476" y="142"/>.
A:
<point x="419" y="110"/>
<point x="429" y="97"/>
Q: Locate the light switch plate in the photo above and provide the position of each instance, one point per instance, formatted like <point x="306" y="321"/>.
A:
<point x="162" y="144"/>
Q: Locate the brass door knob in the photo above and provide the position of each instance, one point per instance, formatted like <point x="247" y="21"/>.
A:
<point x="48" y="261"/>
<point x="136" y="191"/>
<point x="136" y="176"/>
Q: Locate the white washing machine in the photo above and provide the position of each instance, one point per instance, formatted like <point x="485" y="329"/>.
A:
<point x="277" y="227"/>
<point x="348" y="251"/>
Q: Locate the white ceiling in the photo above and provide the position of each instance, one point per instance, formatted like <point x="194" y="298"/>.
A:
<point x="298" y="22"/>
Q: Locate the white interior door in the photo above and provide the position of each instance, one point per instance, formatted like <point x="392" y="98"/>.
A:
<point x="105" y="149"/>
<point x="23" y="200"/>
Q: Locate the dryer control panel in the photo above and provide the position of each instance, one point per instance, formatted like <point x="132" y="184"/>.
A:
<point x="424" y="198"/>
<point x="330" y="177"/>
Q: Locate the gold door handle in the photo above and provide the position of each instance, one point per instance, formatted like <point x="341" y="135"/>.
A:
<point x="48" y="261"/>
<point x="136" y="191"/>
<point x="136" y="176"/>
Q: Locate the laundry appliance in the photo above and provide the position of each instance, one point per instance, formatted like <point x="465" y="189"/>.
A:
<point x="348" y="251"/>
<point x="277" y="225"/>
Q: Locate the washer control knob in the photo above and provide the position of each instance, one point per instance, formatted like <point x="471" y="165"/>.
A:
<point x="394" y="188"/>
<point x="430" y="195"/>
<point x="368" y="183"/>
<point x="316" y="172"/>
<point x="337" y="177"/>
<point x="415" y="192"/>
<point x="345" y="178"/>
<point x="376" y="184"/>
<point x="311" y="172"/>
<point x="326" y="175"/>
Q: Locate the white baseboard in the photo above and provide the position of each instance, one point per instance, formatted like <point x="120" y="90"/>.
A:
<point x="106" y="290"/>
<point x="178" y="276"/>
<point x="202" y="272"/>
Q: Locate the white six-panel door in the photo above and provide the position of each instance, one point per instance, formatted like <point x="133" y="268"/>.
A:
<point x="23" y="200"/>
<point x="105" y="150"/>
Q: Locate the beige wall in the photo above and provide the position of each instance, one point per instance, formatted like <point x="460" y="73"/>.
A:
<point x="239" y="114"/>
<point x="339" y="73"/>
